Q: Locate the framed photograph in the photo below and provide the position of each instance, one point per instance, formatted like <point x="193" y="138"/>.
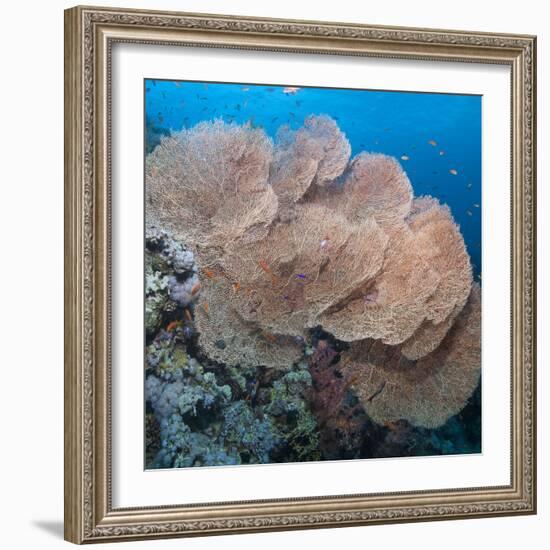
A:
<point x="300" y="274"/>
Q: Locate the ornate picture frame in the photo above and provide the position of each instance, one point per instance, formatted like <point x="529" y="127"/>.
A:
<point x="90" y="34"/>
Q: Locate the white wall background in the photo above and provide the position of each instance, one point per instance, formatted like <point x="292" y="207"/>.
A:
<point x="31" y="219"/>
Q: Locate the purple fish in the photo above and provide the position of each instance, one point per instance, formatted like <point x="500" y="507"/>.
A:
<point x="300" y="276"/>
<point x="371" y="297"/>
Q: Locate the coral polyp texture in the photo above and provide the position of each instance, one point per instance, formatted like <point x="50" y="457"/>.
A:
<point x="302" y="299"/>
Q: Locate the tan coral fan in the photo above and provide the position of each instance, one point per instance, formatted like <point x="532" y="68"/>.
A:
<point x="377" y="187"/>
<point x="395" y="304"/>
<point x="423" y="285"/>
<point x="316" y="153"/>
<point x="226" y="337"/>
<point x="426" y="392"/>
<point x="303" y="267"/>
<point x="443" y="248"/>
<point x="209" y="184"/>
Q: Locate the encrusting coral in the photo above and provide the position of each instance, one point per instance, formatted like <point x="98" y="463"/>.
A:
<point x="293" y="235"/>
<point x="200" y="415"/>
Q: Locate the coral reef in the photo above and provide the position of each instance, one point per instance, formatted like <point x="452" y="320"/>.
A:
<point x="296" y="425"/>
<point x="170" y="278"/>
<point x="345" y="430"/>
<point x="204" y="415"/>
<point x="362" y="257"/>
<point x="300" y="305"/>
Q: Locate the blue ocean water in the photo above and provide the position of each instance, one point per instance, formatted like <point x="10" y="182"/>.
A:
<point x="436" y="137"/>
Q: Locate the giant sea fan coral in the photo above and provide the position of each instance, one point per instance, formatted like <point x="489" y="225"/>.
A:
<point x="229" y="338"/>
<point x="316" y="153"/>
<point x="209" y="184"/>
<point x="425" y="392"/>
<point x="443" y="247"/>
<point x="302" y="267"/>
<point x="294" y="235"/>
<point x="374" y="186"/>
<point x="423" y="285"/>
<point x="394" y="305"/>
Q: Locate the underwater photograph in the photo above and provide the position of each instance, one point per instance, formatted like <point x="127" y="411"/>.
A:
<point x="312" y="285"/>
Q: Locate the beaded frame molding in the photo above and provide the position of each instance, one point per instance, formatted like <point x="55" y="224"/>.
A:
<point x="89" y="36"/>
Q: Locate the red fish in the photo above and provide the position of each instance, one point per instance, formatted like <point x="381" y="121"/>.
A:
<point x="173" y="325"/>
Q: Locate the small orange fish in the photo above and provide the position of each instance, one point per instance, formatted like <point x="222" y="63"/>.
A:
<point x="209" y="273"/>
<point x="404" y="157"/>
<point x="392" y="425"/>
<point x="205" y="307"/>
<point x="453" y="172"/>
<point x="268" y="336"/>
<point x="173" y="325"/>
<point x="264" y="265"/>
<point x="432" y="142"/>
<point x="236" y="287"/>
<point x="196" y="288"/>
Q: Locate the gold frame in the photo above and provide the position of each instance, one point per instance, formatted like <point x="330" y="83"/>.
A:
<point x="89" y="35"/>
